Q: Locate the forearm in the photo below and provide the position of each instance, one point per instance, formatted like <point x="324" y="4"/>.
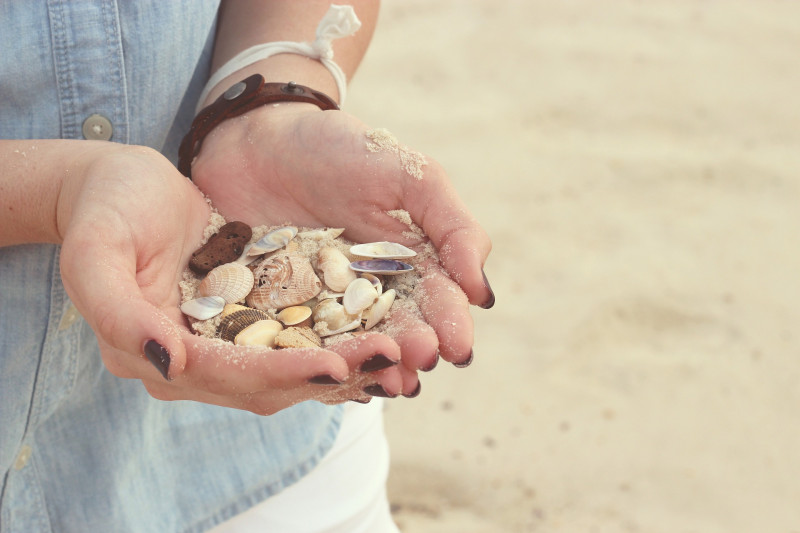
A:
<point x="246" y="23"/>
<point x="34" y="176"/>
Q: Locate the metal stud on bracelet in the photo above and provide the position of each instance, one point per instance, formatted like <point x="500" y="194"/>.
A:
<point x="240" y="98"/>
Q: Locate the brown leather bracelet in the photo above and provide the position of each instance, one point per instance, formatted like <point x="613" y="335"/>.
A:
<point x="241" y="98"/>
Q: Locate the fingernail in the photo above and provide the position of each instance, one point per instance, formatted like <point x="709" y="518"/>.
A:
<point x="466" y="362"/>
<point x="377" y="362"/>
<point x="159" y="356"/>
<point x="377" y="390"/>
<point x="324" y="379"/>
<point x="432" y="365"/>
<point x="367" y="400"/>
<point x="488" y="304"/>
<point x="415" y="392"/>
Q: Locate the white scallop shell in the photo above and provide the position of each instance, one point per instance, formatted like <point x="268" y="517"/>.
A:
<point x="282" y="281"/>
<point x="231" y="281"/>
<point x="203" y="308"/>
<point x="379" y="309"/>
<point x="382" y="250"/>
<point x="335" y="268"/>
<point x="359" y="295"/>
<point x="274" y="240"/>
<point x="261" y="333"/>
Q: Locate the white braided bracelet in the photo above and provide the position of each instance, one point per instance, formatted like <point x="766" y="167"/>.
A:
<point x="339" y="21"/>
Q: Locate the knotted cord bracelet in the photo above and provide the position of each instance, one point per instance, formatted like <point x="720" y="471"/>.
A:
<point x="240" y="98"/>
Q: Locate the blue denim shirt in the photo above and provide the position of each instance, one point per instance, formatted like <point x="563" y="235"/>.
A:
<point x="81" y="450"/>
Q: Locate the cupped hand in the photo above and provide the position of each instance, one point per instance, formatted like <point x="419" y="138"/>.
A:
<point x="292" y="163"/>
<point x="129" y="223"/>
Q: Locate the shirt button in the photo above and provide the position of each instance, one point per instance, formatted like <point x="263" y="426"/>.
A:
<point x="22" y="457"/>
<point x="68" y="318"/>
<point x="97" y="128"/>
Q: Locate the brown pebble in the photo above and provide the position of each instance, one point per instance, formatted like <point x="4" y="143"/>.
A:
<point x="225" y="246"/>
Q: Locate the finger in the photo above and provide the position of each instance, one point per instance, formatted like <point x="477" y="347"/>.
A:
<point x="224" y="368"/>
<point x="99" y="272"/>
<point x="462" y="244"/>
<point x="265" y="403"/>
<point x="446" y="309"/>
<point x="411" y="384"/>
<point x="375" y="360"/>
<point x="418" y="342"/>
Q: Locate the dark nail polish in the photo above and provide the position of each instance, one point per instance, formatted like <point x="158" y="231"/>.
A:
<point x="376" y="390"/>
<point x="377" y="362"/>
<point x="324" y="379"/>
<point x="488" y="304"/>
<point x="159" y="356"/>
<point x="466" y="362"/>
<point x="432" y="365"/>
<point x="415" y="392"/>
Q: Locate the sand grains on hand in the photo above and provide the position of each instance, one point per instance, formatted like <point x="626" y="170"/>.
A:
<point x="381" y="140"/>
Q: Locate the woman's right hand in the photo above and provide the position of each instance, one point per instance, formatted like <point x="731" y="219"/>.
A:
<point x="129" y="222"/>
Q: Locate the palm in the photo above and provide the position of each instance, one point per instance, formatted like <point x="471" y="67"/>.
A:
<point x="305" y="167"/>
<point x="316" y="173"/>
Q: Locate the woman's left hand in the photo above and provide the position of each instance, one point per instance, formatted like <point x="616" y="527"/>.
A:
<point x="293" y="163"/>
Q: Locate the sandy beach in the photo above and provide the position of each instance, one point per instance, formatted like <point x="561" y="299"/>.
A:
<point x="637" y="165"/>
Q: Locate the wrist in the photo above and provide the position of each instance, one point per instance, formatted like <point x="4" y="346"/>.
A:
<point x="281" y="68"/>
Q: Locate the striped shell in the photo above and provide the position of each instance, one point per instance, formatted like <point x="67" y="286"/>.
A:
<point x="232" y="324"/>
<point x="274" y="240"/>
<point x="281" y="281"/>
<point x="231" y="281"/>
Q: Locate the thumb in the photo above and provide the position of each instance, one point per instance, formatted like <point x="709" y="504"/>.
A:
<point x="100" y="278"/>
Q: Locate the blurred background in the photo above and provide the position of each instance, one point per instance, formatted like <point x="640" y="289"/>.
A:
<point x="637" y="165"/>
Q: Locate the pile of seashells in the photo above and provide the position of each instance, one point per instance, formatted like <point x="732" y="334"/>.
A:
<point x="290" y="288"/>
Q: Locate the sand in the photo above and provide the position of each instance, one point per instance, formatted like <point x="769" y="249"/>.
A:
<point x="638" y="167"/>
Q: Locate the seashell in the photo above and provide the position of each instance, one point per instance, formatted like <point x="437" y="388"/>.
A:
<point x="382" y="250"/>
<point x="231" y="308"/>
<point x="203" y="308"/>
<point x="282" y="281"/>
<point x="330" y="316"/>
<point x="326" y="294"/>
<point x="381" y="266"/>
<point x="323" y="330"/>
<point x="335" y="268"/>
<point x="375" y="314"/>
<point x="231" y="281"/>
<point x="359" y="295"/>
<point x="375" y="280"/>
<point x="274" y="240"/>
<point x="259" y="333"/>
<point x="232" y="324"/>
<point x="295" y="337"/>
<point x="246" y="259"/>
<point x="320" y="234"/>
<point x="296" y="315"/>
